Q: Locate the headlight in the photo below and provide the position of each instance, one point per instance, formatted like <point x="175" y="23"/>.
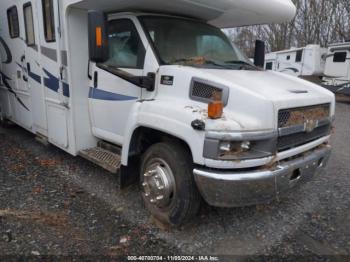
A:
<point x="235" y="147"/>
<point x="239" y="148"/>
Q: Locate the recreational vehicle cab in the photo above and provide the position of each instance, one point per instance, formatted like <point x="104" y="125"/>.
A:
<point x="154" y="90"/>
<point x="306" y="62"/>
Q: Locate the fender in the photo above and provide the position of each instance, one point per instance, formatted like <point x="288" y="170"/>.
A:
<point x="173" y="119"/>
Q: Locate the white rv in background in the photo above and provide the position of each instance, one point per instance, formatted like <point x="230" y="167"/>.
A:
<point x="153" y="90"/>
<point x="337" y="70"/>
<point x="306" y="62"/>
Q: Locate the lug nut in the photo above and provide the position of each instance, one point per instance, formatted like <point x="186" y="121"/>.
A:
<point x="160" y="197"/>
<point x="144" y="184"/>
<point x="153" y="201"/>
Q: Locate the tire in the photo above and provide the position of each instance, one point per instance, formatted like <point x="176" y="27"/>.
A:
<point x="174" y="168"/>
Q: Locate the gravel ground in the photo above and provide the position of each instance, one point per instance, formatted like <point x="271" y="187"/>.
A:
<point x="55" y="204"/>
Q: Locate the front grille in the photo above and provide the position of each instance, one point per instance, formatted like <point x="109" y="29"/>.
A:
<point x="299" y="139"/>
<point x="292" y="123"/>
<point x="205" y="92"/>
<point x="298" y="116"/>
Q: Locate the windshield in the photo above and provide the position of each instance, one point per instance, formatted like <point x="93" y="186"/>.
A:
<point x="190" y="42"/>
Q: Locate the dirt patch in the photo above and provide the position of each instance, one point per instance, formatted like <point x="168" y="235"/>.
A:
<point x="48" y="163"/>
<point x="49" y="219"/>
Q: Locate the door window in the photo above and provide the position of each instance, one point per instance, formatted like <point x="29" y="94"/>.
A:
<point x="339" y="57"/>
<point x="12" y="17"/>
<point x="125" y="46"/>
<point x="29" y="24"/>
<point x="299" y="56"/>
<point x="49" y="20"/>
<point x="269" y="66"/>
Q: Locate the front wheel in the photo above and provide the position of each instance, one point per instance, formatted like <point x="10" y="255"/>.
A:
<point x="168" y="187"/>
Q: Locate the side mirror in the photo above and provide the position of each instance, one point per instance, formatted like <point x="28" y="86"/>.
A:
<point x="98" y="36"/>
<point x="259" y="56"/>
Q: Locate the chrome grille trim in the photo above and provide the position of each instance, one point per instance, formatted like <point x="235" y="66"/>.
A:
<point x="302" y="128"/>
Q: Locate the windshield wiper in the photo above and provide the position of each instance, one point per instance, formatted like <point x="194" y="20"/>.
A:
<point x="210" y="62"/>
<point x="243" y="65"/>
<point x="199" y="62"/>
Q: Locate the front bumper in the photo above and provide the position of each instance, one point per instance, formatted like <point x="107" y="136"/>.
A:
<point x="236" y="189"/>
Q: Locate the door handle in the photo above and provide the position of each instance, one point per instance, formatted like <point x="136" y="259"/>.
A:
<point x="95" y="79"/>
<point x="61" y="72"/>
<point x="23" y="57"/>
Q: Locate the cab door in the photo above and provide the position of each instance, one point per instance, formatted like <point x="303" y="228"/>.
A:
<point x="32" y="66"/>
<point x="113" y="95"/>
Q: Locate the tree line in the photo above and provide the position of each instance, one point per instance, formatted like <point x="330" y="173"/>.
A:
<point x="317" y="22"/>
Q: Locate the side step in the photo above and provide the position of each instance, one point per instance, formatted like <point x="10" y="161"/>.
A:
<point x="103" y="158"/>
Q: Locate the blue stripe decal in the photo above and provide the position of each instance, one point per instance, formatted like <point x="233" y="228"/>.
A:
<point x="7" y="50"/>
<point x="52" y="83"/>
<point x="35" y="77"/>
<point x="25" y="69"/>
<point x="66" y="90"/>
<point x="108" y="96"/>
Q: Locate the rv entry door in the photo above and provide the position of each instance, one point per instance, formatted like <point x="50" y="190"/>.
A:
<point x="55" y="83"/>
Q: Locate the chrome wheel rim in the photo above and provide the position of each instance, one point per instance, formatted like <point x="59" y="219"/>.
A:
<point x="158" y="184"/>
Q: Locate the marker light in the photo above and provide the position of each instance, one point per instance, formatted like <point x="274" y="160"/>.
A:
<point x="215" y="109"/>
<point x="98" y="36"/>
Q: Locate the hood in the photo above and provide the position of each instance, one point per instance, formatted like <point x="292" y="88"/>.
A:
<point x="255" y="97"/>
<point x="283" y="90"/>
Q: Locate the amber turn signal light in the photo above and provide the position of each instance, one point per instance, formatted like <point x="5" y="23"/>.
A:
<point x="98" y="36"/>
<point x="215" y="109"/>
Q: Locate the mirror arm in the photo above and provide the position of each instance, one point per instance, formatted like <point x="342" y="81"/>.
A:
<point x="149" y="82"/>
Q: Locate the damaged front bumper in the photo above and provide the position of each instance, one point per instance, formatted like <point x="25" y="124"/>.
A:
<point x="235" y="189"/>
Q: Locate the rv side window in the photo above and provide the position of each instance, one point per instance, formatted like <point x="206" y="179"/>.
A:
<point x="125" y="46"/>
<point x="288" y="57"/>
<point x="339" y="57"/>
<point x="12" y="17"/>
<point x="49" y="20"/>
<point x="299" y="56"/>
<point x="29" y="24"/>
<point x="269" y="66"/>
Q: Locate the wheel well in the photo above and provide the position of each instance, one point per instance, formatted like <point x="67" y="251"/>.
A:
<point x="144" y="137"/>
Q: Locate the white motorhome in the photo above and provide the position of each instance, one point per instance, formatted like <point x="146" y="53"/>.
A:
<point x="154" y="90"/>
<point x="337" y="70"/>
<point x="306" y="62"/>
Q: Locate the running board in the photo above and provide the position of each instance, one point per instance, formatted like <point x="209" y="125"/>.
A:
<point x="103" y="158"/>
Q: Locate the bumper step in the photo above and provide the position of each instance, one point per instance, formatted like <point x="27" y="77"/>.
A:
<point x="103" y="158"/>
